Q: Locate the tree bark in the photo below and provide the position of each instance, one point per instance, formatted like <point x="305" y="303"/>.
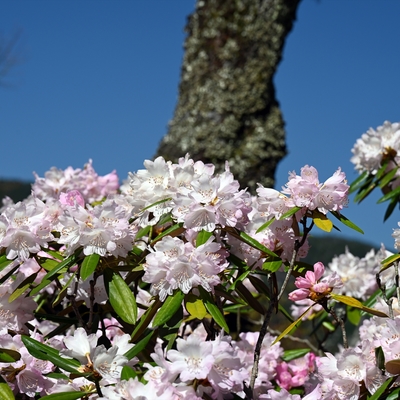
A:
<point x="227" y="108"/>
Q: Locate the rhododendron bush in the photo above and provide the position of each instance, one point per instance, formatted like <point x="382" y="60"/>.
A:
<point x="180" y="285"/>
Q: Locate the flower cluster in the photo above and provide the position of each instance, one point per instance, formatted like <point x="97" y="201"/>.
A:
<point x="112" y="292"/>
<point x="375" y="146"/>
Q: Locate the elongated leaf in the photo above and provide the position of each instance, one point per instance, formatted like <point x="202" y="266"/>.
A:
<point x="9" y="356"/>
<point x="346" y="221"/>
<point x="195" y="307"/>
<point x="388" y="262"/>
<point x="383" y="167"/>
<point x="380" y="358"/>
<point x="358" y="182"/>
<point x="65" y="396"/>
<point x="256" y="244"/>
<point x="391" y="206"/>
<point x="394" y="395"/>
<point x="156" y="203"/>
<point x="173" y="230"/>
<point x="291" y="212"/>
<point x="128" y="373"/>
<point x="145" y="320"/>
<point x="44" y="352"/>
<point x="289" y="355"/>
<point x="64" y="291"/>
<point x="353" y="315"/>
<point x="122" y="299"/>
<point x="71" y="260"/>
<point x="292" y="325"/>
<point x="139" y="346"/>
<point x="89" y="265"/>
<point x="42" y="284"/>
<point x="4" y="262"/>
<point x="22" y="287"/>
<point x="392" y="194"/>
<point x="213" y="309"/>
<point x="377" y="395"/>
<point x="322" y="221"/>
<point x="265" y="225"/>
<point x="350" y="301"/>
<point x="169" y="308"/>
<point x="5" y="392"/>
<point x="388" y="177"/>
<point x="202" y="237"/>
<point x="48" y="263"/>
<point x="249" y="298"/>
<point x="272" y="264"/>
<point x="240" y="278"/>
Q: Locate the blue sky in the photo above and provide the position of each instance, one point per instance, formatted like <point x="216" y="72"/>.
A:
<point x="99" y="79"/>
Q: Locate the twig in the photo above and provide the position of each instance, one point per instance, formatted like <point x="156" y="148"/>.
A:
<point x="274" y="301"/>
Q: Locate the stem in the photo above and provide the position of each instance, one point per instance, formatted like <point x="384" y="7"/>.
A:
<point x="341" y="323"/>
<point x="274" y="301"/>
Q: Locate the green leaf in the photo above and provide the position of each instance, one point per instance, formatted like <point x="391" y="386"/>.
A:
<point x="128" y="373"/>
<point x="171" y="231"/>
<point x="65" y="396"/>
<point x="169" y="308"/>
<point x="380" y="358"/>
<point x="22" y="287"/>
<point x="346" y="221"/>
<point x="289" y="355"/>
<point x="213" y="309"/>
<point x="358" y="182"/>
<point x="292" y="325"/>
<point x="265" y="225"/>
<point x="351" y="301"/>
<point x="156" y="203"/>
<point x="244" y="237"/>
<point x="44" y="352"/>
<point x="388" y="177"/>
<point x="377" y="395"/>
<point x="353" y="315"/>
<point x="391" y="206"/>
<point x="4" y="262"/>
<point x="392" y="194"/>
<point x="291" y="212"/>
<point x="394" y="395"/>
<point x="245" y="294"/>
<point x="139" y="346"/>
<point x="5" y="392"/>
<point x="272" y="264"/>
<point x="122" y="299"/>
<point x="68" y="262"/>
<point x="322" y="221"/>
<point x="388" y="262"/>
<point x="64" y="291"/>
<point x="202" y="237"/>
<point x="145" y="320"/>
<point x="48" y="263"/>
<point x="9" y="356"/>
<point x="88" y="266"/>
<point x="381" y="171"/>
<point x="195" y="306"/>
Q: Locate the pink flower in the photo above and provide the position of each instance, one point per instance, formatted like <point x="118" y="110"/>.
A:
<point x="312" y="287"/>
<point x="72" y="197"/>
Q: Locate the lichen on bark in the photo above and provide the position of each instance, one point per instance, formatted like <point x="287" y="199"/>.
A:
<point x="227" y="108"/>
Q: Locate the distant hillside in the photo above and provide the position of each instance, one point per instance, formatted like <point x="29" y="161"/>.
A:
<point x="324" y="247"/>
<point x="15" y="189"/>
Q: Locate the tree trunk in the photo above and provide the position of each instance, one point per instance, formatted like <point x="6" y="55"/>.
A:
<point x="227" y="108"/>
